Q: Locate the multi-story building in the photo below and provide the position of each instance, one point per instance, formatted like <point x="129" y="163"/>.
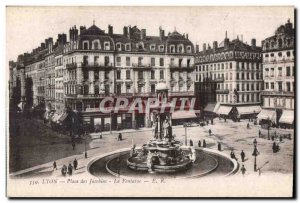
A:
<point x="233" y="71"/>
<point x="279" y="70"/>
<point x="59" y="81"/>
<point x="100" y="64"/>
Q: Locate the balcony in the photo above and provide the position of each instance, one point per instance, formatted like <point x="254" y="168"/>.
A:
<point x="277" y="93"/>
<point x="91" y="96"/>
<point x="71" y="65"/>
<point x="144" y="94"/>
<point x="222" y="91"/>
<point x="141" y="66"/>
<point x="97" y="65"/>
<point x="181" y="94"/>
<point x="181" y="67"/>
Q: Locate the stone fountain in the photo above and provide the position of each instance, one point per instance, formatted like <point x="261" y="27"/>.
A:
<point x="163" y="153"/>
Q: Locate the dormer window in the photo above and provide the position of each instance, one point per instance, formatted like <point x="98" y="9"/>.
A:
<point x="172" y="48"/>
<point x="161" y="48"/>
<point x="180" y="48"/>
<point x="127" y="47"/>
<point x="119" y="47"/>
<point x="85" y="45"/>
<point x="189" y="49"/>
<point x="152" y="47"/>
<point x="96" y="44"/>
<point x="106" y="46"/>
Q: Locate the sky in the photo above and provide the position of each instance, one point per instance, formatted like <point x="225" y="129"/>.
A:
<point x="27" y="27"/>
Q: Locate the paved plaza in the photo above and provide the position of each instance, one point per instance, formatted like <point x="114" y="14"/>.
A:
<point x="37" y="148"/>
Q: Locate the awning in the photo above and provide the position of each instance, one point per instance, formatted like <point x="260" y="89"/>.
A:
<point x="63" y="117"/>
<point x="267" y="114"/>
<point x="224" y="110"/>
<point x="183" y="115"/>
<point x="287" y="117"/>
<point x="212" y="107"/>
<point x="248" y="109"/>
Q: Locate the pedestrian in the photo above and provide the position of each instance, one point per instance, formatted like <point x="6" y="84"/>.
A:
<point x="199" y="143"/>
<point x="75" y="163"/>
<point x="243" y="156"/>
<point x="254" y="142"/>
<point x="225" y="119"/>
<point x="280" y="138"/>
<point x="54" y="165"/>
<point x="209" y="131"/>
<point x="73" y="145"/>
<point x="204" y="143"/>
<point x="70" y="169"/>
<point x="243" y="169"/>
<point x="212" y="121"/>
<point x="272" y="137"/>
<point x="191" y="143"/>
<point x="120" y="137"/>
<point x="232" y="155"/>
<point x="64" y="170"/>
<point x="248" y="125"/>
<point x="207" y="122"/>
<point x="259" y="133"/>
<point x="219" y="146"/>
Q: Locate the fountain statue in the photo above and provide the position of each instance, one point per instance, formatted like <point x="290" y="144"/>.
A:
<point x="162" y="153"/>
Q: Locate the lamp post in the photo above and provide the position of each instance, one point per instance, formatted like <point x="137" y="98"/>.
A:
<point x="255" y="154"/>
<point x="85" y="152"/>
<point x="185" y="129"/>
<point x="268" y="128"/>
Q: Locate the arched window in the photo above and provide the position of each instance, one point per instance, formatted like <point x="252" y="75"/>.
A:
<point x="279" y="43"/>
<point x="96" y="45"/>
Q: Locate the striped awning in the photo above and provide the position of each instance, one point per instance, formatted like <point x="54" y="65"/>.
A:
<point x="183" y="114"/>
<point x="212" y="107"/>
<point x="248" y="109"/>
<point x="287" y="117"/>
<point x="267" y="114"/>
<point x="224" y="110"/>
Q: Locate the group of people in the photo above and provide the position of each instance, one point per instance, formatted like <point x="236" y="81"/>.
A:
<point x="67" y="169"/>
<point x="243" y="155"/>
<point x="203" y="143"/>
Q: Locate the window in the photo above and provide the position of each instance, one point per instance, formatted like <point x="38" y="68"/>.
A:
<point x="127" y="61"/>
<point x="230" y="76"/>
<point x="161" y="48"/>
<point x="188" y="62"/>
<point x="96" y="75"/>
<point x="127" y="74"/>
<point x="288" y="71"/>
<point x="288" y="54"/>
<point x="96" y="60"/>
<point x="267" y="85"/>
<point x="128" y="87"/>
<point x="180" y="49"/>
<point x="230" y="65"/>
<point x="85" y="60"/>
<point x="127" y="47"/>
<point x="172" y="49"/>
<point x="189" y="49"/>
<point x="118" y="61"/>
<point x="106" y="60"/>
<point x="140" y="61"/>
<point x="118" y="74"/>
<point x="153" y="89"/>
<point x="119" y="89"/>
<point x="272" y="72"/>
<point x="243" y="76"/>
<point x="85" y="45"/>
<point x="96" y="89"/>
<point x="279" y="54"/>
<point x="152" y="74"/>
<point x="152" y="61"/>
<point x="119" y="46"/>
<point x="106" y="74"/>
<point x="161" y="74"/>
<point x="161" y="62"/>
<point x="96" y="45"/>
<point x="237" y="76"/>
<point x="106" y="46"/>
<point x="152" y="47"/>
<point x="140" y="75"/>
<point x="279" y="71"/>
<point x="288" y="87"/>
<point x="279" y="86"/>
<point x="272" y="85"/>
<point x="238" y="87"/>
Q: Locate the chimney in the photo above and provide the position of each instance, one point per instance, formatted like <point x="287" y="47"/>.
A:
<point x="64" y="39"/>
<point x="253" y="43"/>
<point x="50" y="45"/>
<point x="215" y="45"/>
<point x="161" y="33"/>
<point x="46" y="43"/>
<point x="197" y="48"/>
<point x="75" y="33"/>
<point x="43" y="46"/>
<point x="143" y="34"/>
<point x="129" y="32"/>
<point x="71" y="34"/>
<point x="110" y="30"/>
<point x="187" y="36"/>
<point x="82" y="28"/>
<point x="204" y="47"/>
<point x="125" y="31"/>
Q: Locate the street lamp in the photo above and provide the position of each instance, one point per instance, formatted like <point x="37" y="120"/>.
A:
<point x="255" y="154"/>
<point x="85" y="152"/>
<point x="185" y="128"/>
<point x="268" y="128"/>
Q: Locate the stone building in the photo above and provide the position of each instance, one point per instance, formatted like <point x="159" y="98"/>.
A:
<point x="279" y="71"/>
<point x="99" y="64"/>
<point x="231" y="70"/>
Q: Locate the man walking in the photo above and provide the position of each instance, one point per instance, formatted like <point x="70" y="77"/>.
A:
<point x="243" y="156"/>
<point x="75" y="163"/>
<point x="120" y="137"/>
<point x="73" y="145"/>
<point x="54" y="166"/>
<point x="243" y="169"/>
<point x="191" y="143"/>
<point x="70" y="169"/>
<point x="199" y="143"/>
<point x="204" y="143"/>
<point x="209" y="132"/>
<point x="219" y="146"/>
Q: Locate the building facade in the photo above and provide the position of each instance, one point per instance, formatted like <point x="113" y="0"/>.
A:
<point x="233" y="71"/>
<point x="93" y="65"/>
<point x="279" y="71"/>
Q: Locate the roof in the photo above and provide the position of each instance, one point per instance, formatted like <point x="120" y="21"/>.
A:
<point x="93" y="30"/>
